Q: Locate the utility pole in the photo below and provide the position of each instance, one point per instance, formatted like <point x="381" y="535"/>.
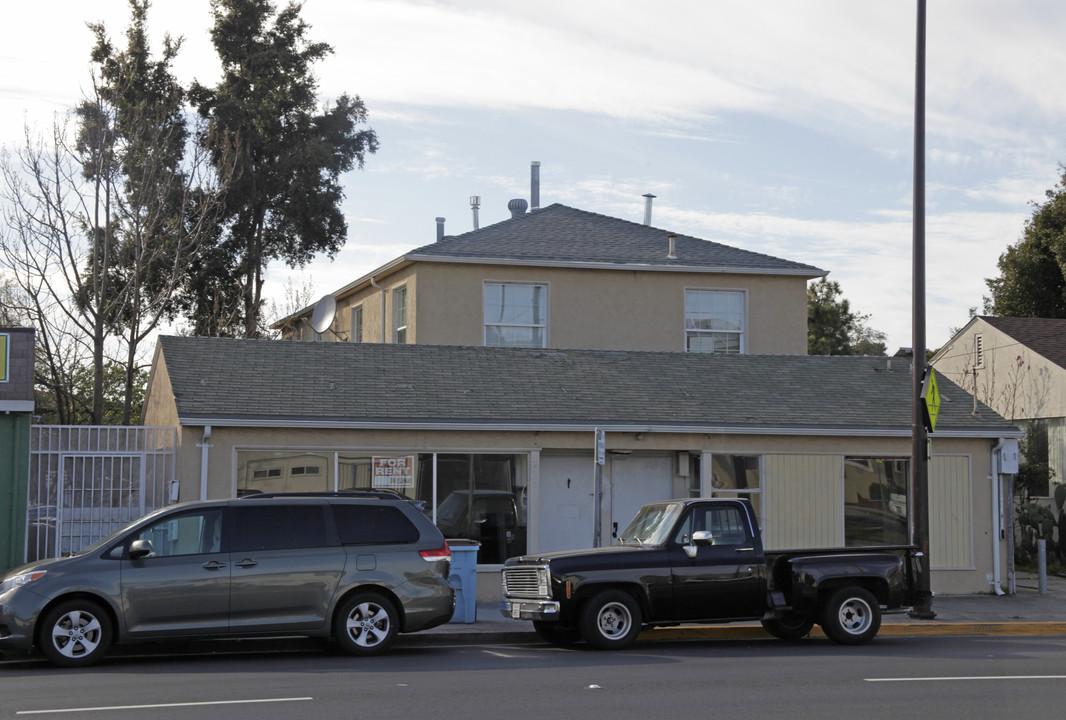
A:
<point x="919" y="490"/>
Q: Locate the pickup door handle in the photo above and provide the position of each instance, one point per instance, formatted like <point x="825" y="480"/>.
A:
<point x="745" y="549"/>
<point x="247" y="563"/>
<point x="214" y="565"/>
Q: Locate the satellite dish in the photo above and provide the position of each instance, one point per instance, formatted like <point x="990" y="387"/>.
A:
<point x="325" y="311"/>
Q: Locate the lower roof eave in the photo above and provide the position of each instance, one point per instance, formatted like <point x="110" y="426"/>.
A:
<point x="576" y="426"/>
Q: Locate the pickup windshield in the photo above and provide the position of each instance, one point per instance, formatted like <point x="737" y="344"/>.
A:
<point x="652" y="525"/>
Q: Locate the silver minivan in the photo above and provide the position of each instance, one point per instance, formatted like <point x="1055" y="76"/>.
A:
<point x="355" y="567"/>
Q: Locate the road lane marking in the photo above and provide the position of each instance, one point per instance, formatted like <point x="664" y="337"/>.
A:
<point x="968" y="677"/>
<point x="163" y="705"/>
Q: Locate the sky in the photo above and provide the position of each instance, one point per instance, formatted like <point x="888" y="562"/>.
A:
<point x="779" y="126"/>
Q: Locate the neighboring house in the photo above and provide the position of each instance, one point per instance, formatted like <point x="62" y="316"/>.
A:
<point x="819" y="444"/>
<point x="1016" y="366"/>
<point x="559" y="277"/>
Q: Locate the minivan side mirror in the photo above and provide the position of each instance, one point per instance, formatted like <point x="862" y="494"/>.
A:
<point x="140" y="549"/>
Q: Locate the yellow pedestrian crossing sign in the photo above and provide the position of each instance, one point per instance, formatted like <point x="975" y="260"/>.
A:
<point x="930" y="399"/>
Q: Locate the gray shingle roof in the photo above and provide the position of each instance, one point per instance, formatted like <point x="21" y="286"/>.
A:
<point x="1046" y="336"/>
<point x="238" y="382"/>
<point x="561" y="234"/>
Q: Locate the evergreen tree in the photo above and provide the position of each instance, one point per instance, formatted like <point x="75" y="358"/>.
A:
<point x="832" y="327"/>
<point x="286" y="158"/>
<point x="1032" y="279"/>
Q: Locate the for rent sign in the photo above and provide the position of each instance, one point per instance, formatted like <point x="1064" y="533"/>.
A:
<point x="394" y="472"/>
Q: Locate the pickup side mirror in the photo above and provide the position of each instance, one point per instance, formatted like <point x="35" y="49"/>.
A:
<point x="141" y="549"/>
<point x="700" y="537"/>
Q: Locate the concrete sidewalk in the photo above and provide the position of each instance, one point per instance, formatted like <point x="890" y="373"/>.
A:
<point x="1027" y="612"/>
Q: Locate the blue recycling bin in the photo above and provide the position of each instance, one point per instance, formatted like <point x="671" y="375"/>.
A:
<point x="464" y="579"/>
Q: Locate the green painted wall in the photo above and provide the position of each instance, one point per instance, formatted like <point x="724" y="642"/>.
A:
<point x="14" y="475"/>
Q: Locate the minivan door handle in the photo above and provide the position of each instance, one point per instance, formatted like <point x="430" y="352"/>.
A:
<point x="214" y="565"/>
<point x="246" y="563"/>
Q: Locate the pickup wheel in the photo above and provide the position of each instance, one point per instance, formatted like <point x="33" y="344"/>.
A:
<point x="610" y="620"/>
<point x="556" y="634"/>
<point x="789" y="627"/>
<point x="851" y="616"/>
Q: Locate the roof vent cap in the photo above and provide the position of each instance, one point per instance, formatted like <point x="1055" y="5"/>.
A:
<point x="517" y="207"/>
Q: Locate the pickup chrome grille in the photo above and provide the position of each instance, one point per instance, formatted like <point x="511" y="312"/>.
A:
<point x="526" y="582"/>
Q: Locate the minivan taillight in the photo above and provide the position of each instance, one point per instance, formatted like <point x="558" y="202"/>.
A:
<point x="442" y="553"/>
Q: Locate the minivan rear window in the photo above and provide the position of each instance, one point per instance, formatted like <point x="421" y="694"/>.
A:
<point x="279" y="527"/>
<point x="373" y="525"/>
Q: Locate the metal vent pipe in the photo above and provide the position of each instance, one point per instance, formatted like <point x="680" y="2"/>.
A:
<point x="534" y="185"/>
<point x="647" y="208"/>
<point x="475" y="203"/>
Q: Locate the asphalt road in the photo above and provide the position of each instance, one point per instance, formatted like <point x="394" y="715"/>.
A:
<point x="893" y="677"/>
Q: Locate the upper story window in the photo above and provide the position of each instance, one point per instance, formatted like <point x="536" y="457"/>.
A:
<point x="516" y="315"/>
<point x="357" y="324"/>
<point x="399" y="315"/>
<point x="714" y="321"/>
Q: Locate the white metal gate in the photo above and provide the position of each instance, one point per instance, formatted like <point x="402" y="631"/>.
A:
<point x="88" y="481"/>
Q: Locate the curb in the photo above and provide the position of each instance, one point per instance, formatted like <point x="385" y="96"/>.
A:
<point x="753" y="632"/>
<point x="749" y="632"/>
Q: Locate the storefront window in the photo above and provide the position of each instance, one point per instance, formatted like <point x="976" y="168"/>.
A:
<point x="736" y="476"/>
<point x="875" y="501"/>
<point x="284" y="471"/>
<point x="479" y="496"/>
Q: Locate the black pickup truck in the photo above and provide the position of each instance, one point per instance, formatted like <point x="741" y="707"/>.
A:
<point x="702" y="561"/>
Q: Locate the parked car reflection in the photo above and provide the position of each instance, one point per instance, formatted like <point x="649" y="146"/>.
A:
<point x="489" y="516"/>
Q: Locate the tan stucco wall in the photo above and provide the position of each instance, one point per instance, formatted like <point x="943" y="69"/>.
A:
<point x="588" y="308"/>
<point x="370" y="298"/>
<point x="159" y="408"/>
<point x="611" y="309"/>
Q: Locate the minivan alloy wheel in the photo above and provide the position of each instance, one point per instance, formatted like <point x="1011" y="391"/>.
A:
<point x="75" y="633"/>
<point x="366" y="624"/>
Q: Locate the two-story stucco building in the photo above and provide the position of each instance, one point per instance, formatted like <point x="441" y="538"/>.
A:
<point x="483" y="374"/>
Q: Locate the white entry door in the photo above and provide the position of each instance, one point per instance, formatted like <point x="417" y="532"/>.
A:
<point x="565" y="509"/>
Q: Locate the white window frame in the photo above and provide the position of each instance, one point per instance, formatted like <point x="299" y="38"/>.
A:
<point x="543" y="325"/>
<point x="356" y="323"/>
<point x="742" y="333"/>
<point x="399" y="331"/>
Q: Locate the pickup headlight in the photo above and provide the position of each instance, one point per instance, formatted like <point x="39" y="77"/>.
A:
<point x="544" y="582"/>
<point x="21" y="579"/>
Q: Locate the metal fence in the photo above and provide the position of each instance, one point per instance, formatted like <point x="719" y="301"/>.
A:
<point x="88" y="481"/>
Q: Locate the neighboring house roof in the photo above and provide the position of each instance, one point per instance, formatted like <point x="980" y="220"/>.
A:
<point x="1045" y="336"/>
<point x="269" y="383"/>
<point x="557" y="235"/>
